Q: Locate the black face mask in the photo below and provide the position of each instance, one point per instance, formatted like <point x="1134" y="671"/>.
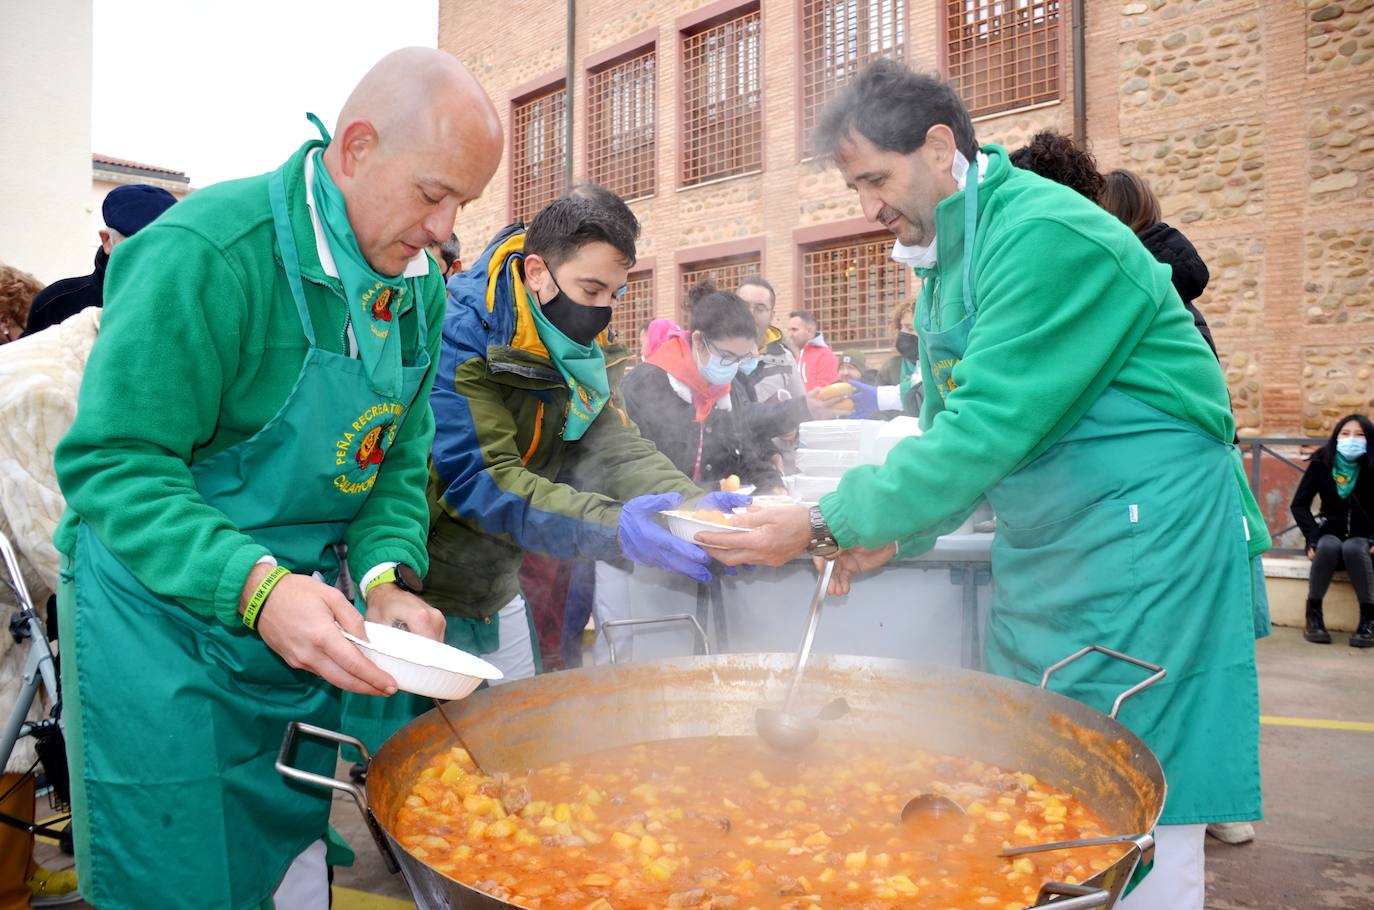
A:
<point x="580" y="323"/>
<point x="908" y="345"/>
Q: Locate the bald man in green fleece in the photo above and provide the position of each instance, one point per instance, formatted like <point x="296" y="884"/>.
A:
<point x="259" y="394"/>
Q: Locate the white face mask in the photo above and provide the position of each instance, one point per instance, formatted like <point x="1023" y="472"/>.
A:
<point x="924" y="257"/>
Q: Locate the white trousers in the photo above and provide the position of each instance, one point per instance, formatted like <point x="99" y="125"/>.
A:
<point x="306" y="883"/>
<point x="514" y="656"/>
<point x="612" y="601"/>
<point x="1178" y="880"/>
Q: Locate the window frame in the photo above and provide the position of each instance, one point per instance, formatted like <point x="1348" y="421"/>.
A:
<point x="838" y="235"/>
<point x="645" y="43"/>
<point x="693" y="24"/>
<point x="1063" y="13"/>
<point x="524" y="95"/>
<point x="901" y="30"/>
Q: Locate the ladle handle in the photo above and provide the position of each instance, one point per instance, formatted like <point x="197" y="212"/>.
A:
<point x="291" y="772"/>
<point x="1079" y="897"/>
<point x="649" y="621"/>
<point x="812" y="621"/>
<point x="1157" y="671"/>
<point x="1145" y="843"/>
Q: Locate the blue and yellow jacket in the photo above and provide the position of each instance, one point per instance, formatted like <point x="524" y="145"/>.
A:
<point x="502" y="479"/>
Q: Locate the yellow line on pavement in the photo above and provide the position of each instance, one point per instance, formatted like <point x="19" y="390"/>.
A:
<point x="1317" y="724"/>
<point x="352" y="899"/>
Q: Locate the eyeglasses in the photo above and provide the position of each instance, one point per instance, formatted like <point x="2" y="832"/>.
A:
<point x="729" y="359"/>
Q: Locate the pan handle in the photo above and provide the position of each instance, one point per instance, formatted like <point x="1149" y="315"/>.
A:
<point x="1155" y="669"/>
<point x="1080" y="897"/>
<point x="651" y="620"/>
<point x="290" y="772"/>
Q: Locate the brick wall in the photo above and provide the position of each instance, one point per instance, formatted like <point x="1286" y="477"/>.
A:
<point x="1253" y="119"/>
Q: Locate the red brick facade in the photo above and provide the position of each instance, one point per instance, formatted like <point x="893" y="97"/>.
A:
<point x="1253" y="120"/>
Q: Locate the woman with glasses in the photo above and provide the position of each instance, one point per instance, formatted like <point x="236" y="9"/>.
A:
<point x="684" y="397"/>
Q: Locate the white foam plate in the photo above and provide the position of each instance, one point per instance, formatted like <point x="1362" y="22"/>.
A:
<point x="421" y="665"/>
<point x="686" y="526"/>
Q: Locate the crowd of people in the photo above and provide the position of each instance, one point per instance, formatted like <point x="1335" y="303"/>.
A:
<point x="300" y="409"/>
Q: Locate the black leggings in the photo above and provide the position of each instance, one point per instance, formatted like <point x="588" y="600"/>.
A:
<point x="1334" y="553"/>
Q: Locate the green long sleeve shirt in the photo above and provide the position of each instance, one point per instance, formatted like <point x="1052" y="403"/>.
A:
<point x="199" y="347"/>
<point x="1068" y="304"/>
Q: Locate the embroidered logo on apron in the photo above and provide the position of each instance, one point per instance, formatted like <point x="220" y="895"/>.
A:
<point x="362" y="447"/>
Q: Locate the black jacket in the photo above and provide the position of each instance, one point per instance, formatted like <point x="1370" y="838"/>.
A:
<point x="775" y="416"/>
<point x="727" y="446"/>
<point x="1190" y="274"/>
<point x="63" y="299"/>
<point x="1343" y="518"/>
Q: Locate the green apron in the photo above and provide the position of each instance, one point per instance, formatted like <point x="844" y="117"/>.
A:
<point x="1129" y="532"/>
<point x="174" y="720"/>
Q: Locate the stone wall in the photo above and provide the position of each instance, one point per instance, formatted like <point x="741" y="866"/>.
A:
<point x="1254" y="122"/>
<point x="1340" y="149"/>
<point x="1337" y="380"/>
<point x="1339" y="286"/>
<point x="1340" y="34"/>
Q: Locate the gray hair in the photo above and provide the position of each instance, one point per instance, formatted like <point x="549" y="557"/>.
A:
<point x="893" y="108"/>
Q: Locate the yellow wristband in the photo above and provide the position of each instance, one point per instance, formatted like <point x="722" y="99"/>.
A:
<point x="384" y="577"/>
<point x="255" y="603"/>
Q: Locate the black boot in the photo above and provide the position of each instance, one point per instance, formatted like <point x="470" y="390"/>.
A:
<point x="1364" y="632"/>
<point x="1315" y="631"/>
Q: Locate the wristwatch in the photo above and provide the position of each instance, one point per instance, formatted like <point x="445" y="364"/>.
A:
<point x="823" y="543"/>
<point x="402" y="576"/>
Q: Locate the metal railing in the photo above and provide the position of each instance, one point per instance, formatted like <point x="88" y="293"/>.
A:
<point x="1258" y="447"/>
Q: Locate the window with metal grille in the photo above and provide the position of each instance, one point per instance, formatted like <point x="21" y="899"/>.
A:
<point x="1003" y="54"/>
<point x="620" y="126"/>
<point x="635" y="307"/>
<point x="851" y="287"/>
<point x="536" y="153"/>
<point x="725" y="274"/>
<point x="839" y="37"/>
<point x="722" y="100"/>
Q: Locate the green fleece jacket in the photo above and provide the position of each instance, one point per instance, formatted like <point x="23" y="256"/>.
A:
<point x="200" y="345"/>
<point x="1068" y="304"/>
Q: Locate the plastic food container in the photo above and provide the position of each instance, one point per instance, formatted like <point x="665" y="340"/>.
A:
<point x="810" y="489"/>
<point x="686" y="526"/>
<point x="825" y="462"/>
<point x="421" y="665"/>
<point x="832" y="434"/>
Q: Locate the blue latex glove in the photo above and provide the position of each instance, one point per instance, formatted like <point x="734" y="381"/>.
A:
<point x="865" y="400"/>
<point x="646" y="542"/>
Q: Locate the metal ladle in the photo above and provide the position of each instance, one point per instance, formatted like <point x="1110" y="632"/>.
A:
<point x="782" y="729"/>
<point x="928" y="806"/>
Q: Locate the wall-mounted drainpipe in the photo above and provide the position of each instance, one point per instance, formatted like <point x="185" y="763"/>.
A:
<point x="1080" y="88"/>
<point x="568" y="101"/>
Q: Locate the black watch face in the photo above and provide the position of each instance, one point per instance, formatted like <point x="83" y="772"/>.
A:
<point x="408" y="579"/>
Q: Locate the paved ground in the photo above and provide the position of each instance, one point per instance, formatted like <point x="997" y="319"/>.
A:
<point x="1314" y="851"/>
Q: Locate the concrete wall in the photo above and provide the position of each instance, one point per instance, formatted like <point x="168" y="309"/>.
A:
<point x="45" y="158"/>
<point x="1253" y="119"/>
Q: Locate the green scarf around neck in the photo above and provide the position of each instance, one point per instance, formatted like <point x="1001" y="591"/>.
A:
<point x="1345" y="473"/>
<point x="373" y="299"/>
<point x="583" y="368"/>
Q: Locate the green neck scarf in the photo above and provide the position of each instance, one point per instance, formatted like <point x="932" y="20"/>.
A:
<point x="1345" y="473"/>
<point x="373" y="299"/>
<point x="583" y="368"/>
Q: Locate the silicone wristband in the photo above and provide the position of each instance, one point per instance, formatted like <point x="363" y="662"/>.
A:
<point x="387" y="577"/>
<point x="259" y="598"/>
